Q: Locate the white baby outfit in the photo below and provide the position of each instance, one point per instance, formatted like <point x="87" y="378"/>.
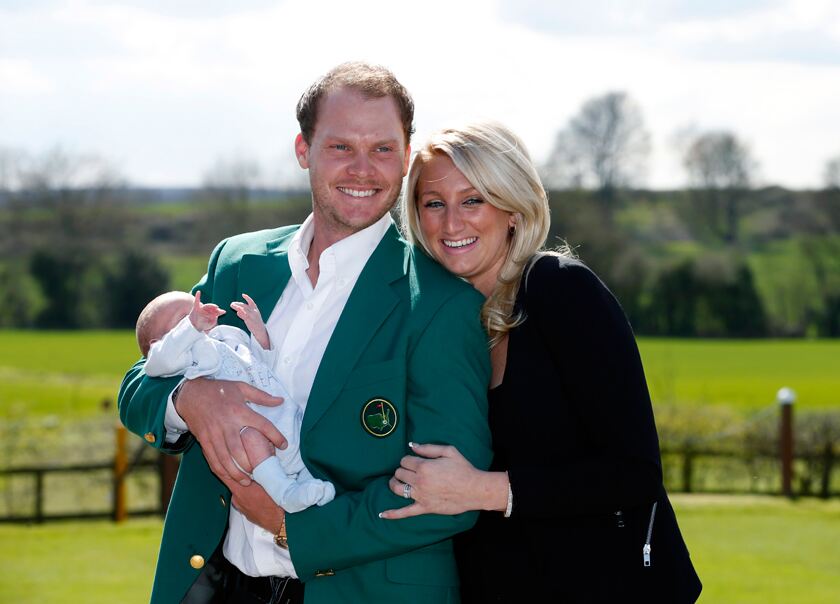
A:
<point x="228" y="353"/>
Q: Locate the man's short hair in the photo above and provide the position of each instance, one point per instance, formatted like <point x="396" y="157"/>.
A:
<point x="372" y="81"/>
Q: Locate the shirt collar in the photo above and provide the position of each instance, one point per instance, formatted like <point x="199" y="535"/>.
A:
<point x="345" y="258"/>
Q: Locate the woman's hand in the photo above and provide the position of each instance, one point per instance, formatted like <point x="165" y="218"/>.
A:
<point x="444" y="482"/>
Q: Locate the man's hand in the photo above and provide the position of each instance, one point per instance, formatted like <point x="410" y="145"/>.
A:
<point x="204" y="317"/>
<point x="256" y="505"/>
<point x="215" y="412"/>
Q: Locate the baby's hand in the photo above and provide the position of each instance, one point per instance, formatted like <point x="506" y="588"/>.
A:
<point x="250" y="314"/>
<point x="257" y="447"/>
<point x="204" y="316"/>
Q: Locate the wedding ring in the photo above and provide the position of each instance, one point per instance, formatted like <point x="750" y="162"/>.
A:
<point x="407" y="491"/>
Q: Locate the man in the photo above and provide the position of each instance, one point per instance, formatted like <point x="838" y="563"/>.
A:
<point x="381" y="347"/>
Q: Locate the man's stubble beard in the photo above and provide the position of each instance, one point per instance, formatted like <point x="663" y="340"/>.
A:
<point x="335" y="222"/>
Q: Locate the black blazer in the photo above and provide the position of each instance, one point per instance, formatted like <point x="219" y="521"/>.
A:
<point x="573" y="426"/>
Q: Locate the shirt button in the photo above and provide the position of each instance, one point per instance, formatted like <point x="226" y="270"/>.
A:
<point x="309" y="306"/>
<point x="287" y="360"/>
<point x="342" y="282"/>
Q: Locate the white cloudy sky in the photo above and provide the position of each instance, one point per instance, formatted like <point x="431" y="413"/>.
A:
<point x="163" y="88"/>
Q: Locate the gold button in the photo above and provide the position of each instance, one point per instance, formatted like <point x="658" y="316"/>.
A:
<point x="197" y="562"/>
<point x="325" y="573"/>
<point x="222" y="500"/>
<point x="150" y="438"/>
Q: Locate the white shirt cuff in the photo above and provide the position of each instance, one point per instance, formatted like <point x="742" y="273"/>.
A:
<point x="173" y="423"/>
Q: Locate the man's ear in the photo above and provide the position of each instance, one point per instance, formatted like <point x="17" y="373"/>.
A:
<point x="302" y="151"/>
<point x="407" y="159"/>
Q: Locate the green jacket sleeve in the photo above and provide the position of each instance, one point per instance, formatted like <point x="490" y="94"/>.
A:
<point x="448" y="374"/>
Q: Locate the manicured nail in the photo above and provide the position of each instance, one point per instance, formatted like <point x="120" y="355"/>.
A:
<point x="411" y="444"/>
<point x="380" y="514"/>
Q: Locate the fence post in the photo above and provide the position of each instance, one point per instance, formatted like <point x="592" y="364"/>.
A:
<point x="786" y="398"/>
<point x="828" y="462"/>
<point x="688" y="469"/>
<point x="39" y="496"/>
<point x="120" y="467"/>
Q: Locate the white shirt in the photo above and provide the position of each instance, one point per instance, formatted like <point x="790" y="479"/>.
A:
<point x="300" y="327"/>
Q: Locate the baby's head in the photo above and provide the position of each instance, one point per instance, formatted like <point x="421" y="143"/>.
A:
<point x="160" y="316"/>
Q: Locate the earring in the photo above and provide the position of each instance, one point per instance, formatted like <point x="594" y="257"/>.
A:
<point x="512" y="230"/>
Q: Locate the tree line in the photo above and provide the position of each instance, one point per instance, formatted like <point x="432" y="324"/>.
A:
<point x="719" y="258"/>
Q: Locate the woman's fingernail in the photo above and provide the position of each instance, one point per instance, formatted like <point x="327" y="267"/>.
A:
<point x="411" y="444"/>
<point x="380" y="514"/>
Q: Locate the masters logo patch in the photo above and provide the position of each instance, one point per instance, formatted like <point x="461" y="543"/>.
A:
<point x="379" y="417"/>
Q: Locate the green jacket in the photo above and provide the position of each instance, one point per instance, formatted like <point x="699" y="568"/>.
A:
<point x="409" y="335"/>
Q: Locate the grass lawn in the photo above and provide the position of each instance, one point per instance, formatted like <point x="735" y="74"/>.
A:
<point x="744" y="374"/>
<point x="747" y="550"/>
<point x="72" y="562"/>
<point x="67" y="373"/>
<point x="763" y="550"/>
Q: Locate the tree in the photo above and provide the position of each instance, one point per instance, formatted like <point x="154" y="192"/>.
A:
<point x="706" y="297"/>
<point x="720" y="169"/>
<point x="229" y="187"/>
<point x="604" y="146"/>
<point x="130" y="284"/>
<point x="831" y="174"/>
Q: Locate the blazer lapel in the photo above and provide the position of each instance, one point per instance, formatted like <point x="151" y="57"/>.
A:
<point x="370" y="303"/>
<point x="264" y="276"/>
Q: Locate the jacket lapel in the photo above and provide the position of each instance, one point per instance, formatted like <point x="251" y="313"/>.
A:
<point x="369" y="304"/>
<point x="264" y="276"/>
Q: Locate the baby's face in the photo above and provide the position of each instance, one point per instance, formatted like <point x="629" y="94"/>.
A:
<point x="167" y="316"/>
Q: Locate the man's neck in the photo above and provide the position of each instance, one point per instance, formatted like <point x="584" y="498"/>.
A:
<point x="322" y="238"/>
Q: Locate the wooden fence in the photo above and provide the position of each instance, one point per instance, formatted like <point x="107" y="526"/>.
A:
<point x="683" y="462"/>
<point x="165" y="468"/>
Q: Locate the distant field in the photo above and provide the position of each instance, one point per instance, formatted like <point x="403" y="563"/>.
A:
<point x="747" y="550"/>
<point x="745" y="374"/>
<point x="185" y="271"/>
<point x="69" y="373"/>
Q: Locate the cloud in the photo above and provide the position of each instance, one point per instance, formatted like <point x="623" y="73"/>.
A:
<point x="610" y="17"/>
<point x="166" y="91"/>
<point x="21" y="78"/>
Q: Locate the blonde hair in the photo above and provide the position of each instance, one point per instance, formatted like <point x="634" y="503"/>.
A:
<point x="498" y="165"/>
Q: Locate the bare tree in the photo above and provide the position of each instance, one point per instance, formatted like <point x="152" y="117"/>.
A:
<point x="229" y="187"/>
<point x="10" y="165"/>
<point x="831" y="174"/>
<point x="232" y="179"/>
<point x="81" y="197"/>
<point x="604" y="146"/>
<point x="720" y="171"/>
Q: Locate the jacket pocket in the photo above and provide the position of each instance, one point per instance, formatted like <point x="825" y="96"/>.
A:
<point x="376" y="372"/>
<point x="432" y="565"/>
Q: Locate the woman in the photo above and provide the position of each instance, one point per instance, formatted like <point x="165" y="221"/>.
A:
<point x="573" y="507"/>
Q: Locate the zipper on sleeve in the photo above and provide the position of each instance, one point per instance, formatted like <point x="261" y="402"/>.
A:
<point x="646" y="548"/>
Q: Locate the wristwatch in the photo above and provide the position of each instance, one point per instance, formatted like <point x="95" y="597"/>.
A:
<point x="280" y="539"/>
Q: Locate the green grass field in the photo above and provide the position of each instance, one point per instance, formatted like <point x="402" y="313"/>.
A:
<point x="69" y="373"/>
<point x="747" y="550"/>
<point x="744" y="374"/>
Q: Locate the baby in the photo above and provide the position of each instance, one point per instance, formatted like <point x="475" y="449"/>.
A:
<point x="179" y="335"/>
